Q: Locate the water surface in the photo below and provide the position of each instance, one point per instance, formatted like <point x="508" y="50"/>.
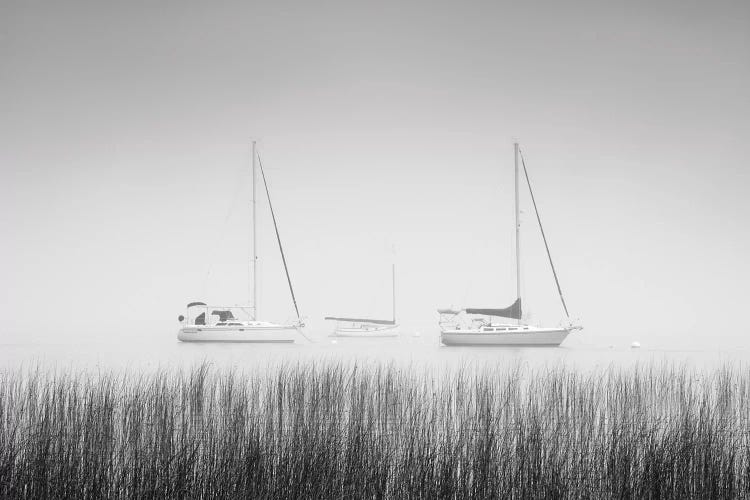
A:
<point x="406" y="351"/>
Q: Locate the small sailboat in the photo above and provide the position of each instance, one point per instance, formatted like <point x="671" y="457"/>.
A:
<point x="368" y="328"/>
<point x="470" y="326"/>
<point x="208" y="323"/>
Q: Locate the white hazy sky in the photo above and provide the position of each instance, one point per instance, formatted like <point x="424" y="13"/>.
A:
<point x="124" y="162"/>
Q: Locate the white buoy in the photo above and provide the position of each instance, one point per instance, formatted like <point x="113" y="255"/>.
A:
<point x="635" y="345"/>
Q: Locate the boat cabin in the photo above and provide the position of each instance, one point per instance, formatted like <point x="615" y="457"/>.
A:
<point x="199" y="313"/>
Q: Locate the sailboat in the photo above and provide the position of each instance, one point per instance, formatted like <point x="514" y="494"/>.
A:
<point x="476" y="327"/>
<point x="368" y="328"/>
<point x="211" y="323"/>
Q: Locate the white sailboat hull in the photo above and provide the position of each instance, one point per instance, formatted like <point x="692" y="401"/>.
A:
<point x="373" y="332"/>
<point x="530" y="337"/>
<point x="267" y="334"/>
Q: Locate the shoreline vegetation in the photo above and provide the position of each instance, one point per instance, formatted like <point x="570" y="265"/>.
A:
<point x="339" y="430"/>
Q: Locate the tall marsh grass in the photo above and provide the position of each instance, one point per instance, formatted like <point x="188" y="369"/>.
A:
<point x="333" y="430"/>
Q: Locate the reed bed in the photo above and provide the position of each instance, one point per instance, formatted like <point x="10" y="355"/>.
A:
<point x="337" y="430"/>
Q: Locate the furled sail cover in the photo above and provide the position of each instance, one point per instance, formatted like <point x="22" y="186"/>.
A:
<point x="196" y="304"/>
<point x="358" y="320"/>
<point x="513" y="311"/>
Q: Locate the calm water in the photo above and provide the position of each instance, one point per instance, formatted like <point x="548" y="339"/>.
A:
<point x="423" y="351"/>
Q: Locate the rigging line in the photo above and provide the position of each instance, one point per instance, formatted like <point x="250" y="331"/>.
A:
<point x="549" y="256"/>
<point x="278" y="238"/>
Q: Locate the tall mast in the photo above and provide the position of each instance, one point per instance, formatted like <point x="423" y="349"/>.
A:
<point x="393" y="282"/>
<point x="518" y="232"/>
<point x="255" y="247"/>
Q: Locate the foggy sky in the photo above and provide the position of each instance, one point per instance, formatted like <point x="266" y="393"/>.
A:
<point x="125" y="132"/>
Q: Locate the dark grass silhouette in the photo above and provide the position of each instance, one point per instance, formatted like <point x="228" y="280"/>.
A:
<point x="375" y="431"/>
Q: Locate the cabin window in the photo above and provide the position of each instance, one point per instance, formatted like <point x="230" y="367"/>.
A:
<point x="489" y="329"/>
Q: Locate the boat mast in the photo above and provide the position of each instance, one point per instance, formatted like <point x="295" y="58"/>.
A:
<point x="393" y="282"/>
<point x="255" y="248"/>
<point x="518" y="233"/>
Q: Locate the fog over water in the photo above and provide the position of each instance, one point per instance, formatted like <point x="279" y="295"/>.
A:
<point x="414" y="354"/>
<point x="387" y="134"/>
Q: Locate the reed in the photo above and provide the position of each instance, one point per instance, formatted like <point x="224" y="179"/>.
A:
<point x="336" y="430"/>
